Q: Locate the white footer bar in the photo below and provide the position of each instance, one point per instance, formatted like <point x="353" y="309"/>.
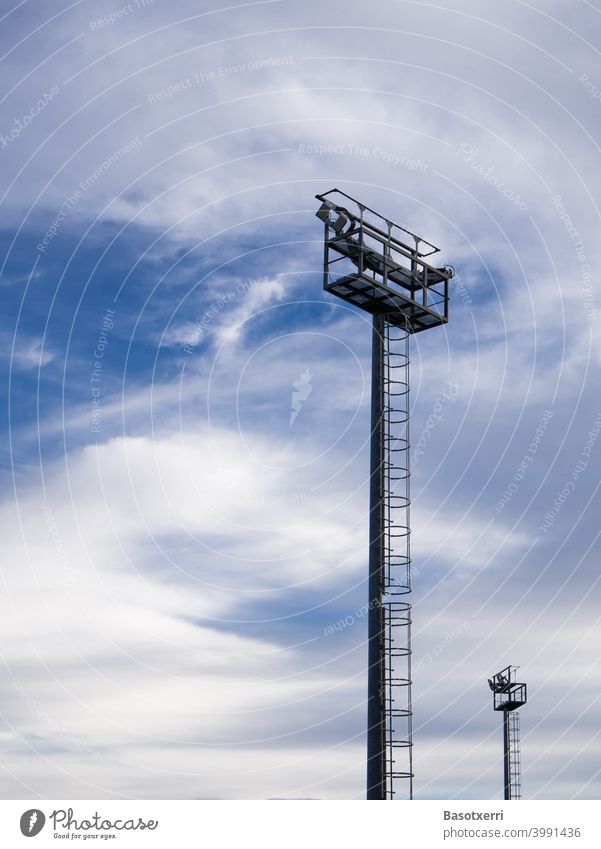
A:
<point x="300" y="824"/>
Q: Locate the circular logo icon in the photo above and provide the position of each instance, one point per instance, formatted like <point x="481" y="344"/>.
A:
<point x="32" y="822"/>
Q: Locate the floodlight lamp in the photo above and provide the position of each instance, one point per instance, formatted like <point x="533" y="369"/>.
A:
<point x="335" y="216"/>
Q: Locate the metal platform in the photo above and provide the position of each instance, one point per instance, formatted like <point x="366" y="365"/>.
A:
<point x="370" y="263"/>
<point x="508" y="694"/>
<point x="513" y="700"/>
<point x="376" y="298"/>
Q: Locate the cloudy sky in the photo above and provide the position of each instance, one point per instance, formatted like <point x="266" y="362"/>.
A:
<point x="175" y="546"/>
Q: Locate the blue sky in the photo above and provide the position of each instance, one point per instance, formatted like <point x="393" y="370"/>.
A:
<point x="174" y="549"/>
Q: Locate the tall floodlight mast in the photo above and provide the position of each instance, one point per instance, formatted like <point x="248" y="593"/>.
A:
<point x="379" y="266"/>
<point x="508" y="695"/>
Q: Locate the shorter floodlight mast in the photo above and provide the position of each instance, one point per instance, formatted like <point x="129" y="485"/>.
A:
<point x="508" y="695"/>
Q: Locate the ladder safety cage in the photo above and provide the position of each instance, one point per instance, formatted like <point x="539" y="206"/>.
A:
<point x="515" y="756"/>
<point x="396" y="559"/>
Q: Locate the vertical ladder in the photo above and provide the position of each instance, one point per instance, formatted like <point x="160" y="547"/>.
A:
<point x="396" y="557"/>
<point x="515" y="758"/>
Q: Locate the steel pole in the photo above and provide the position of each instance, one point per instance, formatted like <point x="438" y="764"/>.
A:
<point x="506" y="769"/>
<point x="376" y="728"/>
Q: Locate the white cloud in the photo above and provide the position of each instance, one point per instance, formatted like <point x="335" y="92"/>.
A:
<point x="25" y="352"/>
